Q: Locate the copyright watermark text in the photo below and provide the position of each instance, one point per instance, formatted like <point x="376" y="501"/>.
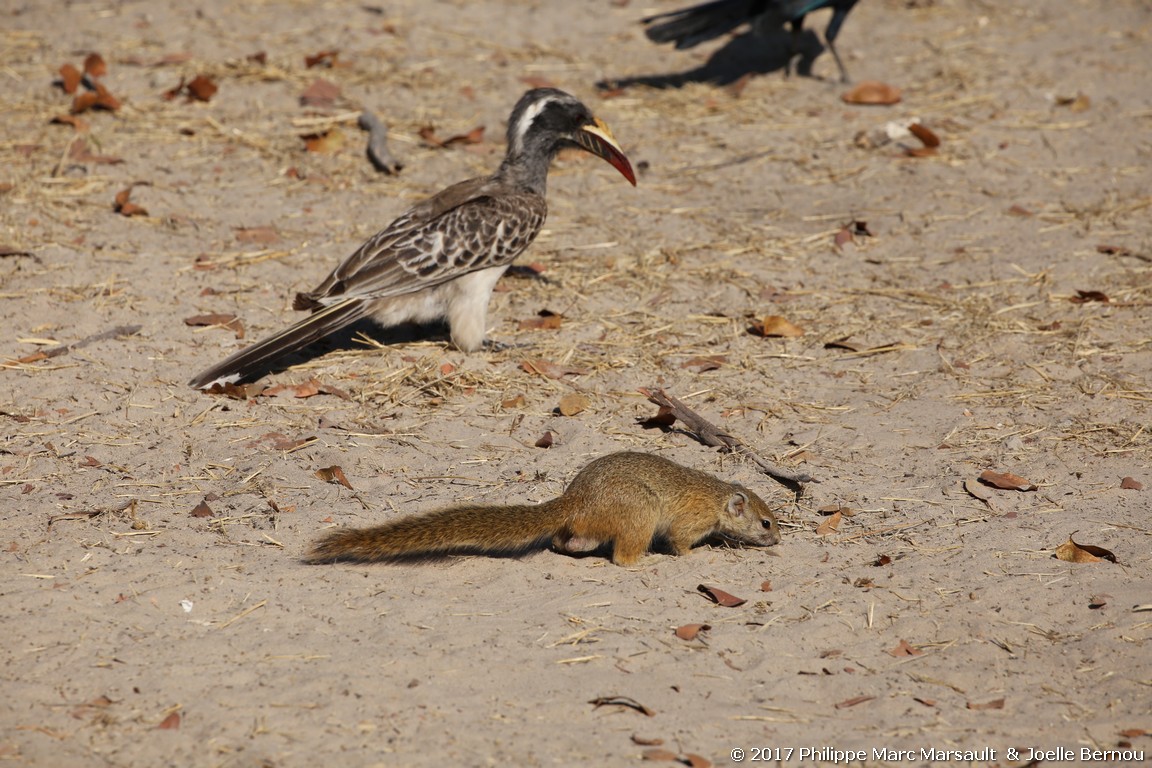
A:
<point x="931" y="754"/>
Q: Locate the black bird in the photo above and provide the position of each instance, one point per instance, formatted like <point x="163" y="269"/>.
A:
<point x="688" y="27"/>
<point x="441" y="259"/>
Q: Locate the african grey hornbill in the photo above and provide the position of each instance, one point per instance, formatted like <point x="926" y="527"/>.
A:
<point x="689" y="27"/>
<point x="441" y="259"/>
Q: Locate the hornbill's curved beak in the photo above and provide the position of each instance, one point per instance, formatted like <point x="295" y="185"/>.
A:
<point x="597" y="139"/>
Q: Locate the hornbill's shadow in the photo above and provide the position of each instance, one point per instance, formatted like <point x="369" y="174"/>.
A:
<point x="352" y="338"/>
<point x="745" y="54"/>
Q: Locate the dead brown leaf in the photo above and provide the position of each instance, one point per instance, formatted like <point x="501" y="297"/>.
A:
<point x="572" y="404"/>
<point x="80" y="153"/>
<point x="1113" y="250"/>
<point x="1006" y="481"/>
<point x="843" y="237"/>
<point x="320" y="93"/>
<point x="474" y="136"/>
<point x="201" y="88"/>
<point x="236" y="391"/>
<point x="849" y="232"/>
<point x="545" y="319"/>
<point x="551" y="370"/>
<point x="843" y="344"/>
<point x="691" y="631"/>
<point x="976" y="490"/>
<point x="70" y="78"/>
<point x="927" y="137"/>
<point x="852" y="702"/>
<point x="322" y="59"/>
<point x="1131" y="484"/>
<point x="872" y="92"/>
<point x="994" y="704"/>
<point x="88" y="708"/>
<point x="79" y="123"/>
<point x="284" y="443"/>
<point x="170" y="723"/>
<point x="766" y="586"/>
<point x="258" y="235"/>
<point x="621" y="701"/>
<point x="720" y="597"/>
<point x="309" y="388"/>
<point x="324" y="143"/>
<point x="218" y="319"/>
<point x="1072" y="552"/>
<point x="646" y="742"/>
<point x="123" y="206"/>
<point x="703" y="363"/>
<point x="830" y="524"/>
<point x="519" y="401"/>
<point x="1078" y="103"/>
<point x="176" y="90"/>
<point x="333" y="474"/>
<point x="202" y="510"/>
<point x="99" y="98"/>
<point x="775" y="325"/>
<point x="904" y="649"/>
<point x="94" y="65"/>
<point x="547" y="440"/>
<point x="1084" y="297"/>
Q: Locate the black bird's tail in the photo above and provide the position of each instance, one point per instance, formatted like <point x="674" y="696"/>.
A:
<point x="254" y="360"/>
<point x="688" y="27"/>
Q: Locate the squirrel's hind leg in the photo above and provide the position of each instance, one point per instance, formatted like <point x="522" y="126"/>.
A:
<point x="574" y="545"/>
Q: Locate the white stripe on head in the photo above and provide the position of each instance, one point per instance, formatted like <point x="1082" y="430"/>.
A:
<point x="517" y="132"/>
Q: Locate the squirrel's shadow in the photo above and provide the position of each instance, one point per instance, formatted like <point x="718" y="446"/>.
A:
<point x="745" y="54"/>
<point x="658" y="546"/>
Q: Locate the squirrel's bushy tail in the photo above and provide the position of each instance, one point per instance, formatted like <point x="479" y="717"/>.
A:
<point x="491" y="529"/>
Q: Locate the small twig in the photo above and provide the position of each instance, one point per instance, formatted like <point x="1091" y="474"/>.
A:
<point x="378" y="151"/>
<point x="242" y="614"/>
<point x="111" y="333"/>
<point x="710" y="434"/>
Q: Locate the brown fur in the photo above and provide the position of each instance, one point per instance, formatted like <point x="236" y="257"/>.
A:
<point x="624" y="498"/>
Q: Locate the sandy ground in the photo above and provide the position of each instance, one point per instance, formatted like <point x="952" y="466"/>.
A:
<point x="946" y="343"/>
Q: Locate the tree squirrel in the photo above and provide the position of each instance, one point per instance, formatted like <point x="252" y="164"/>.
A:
<point x="625" y="498"/>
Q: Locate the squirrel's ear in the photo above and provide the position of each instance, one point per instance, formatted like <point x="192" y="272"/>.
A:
<point x="737" y="504"/>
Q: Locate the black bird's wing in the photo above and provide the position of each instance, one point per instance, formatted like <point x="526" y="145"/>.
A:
<point x="688" y="27"/>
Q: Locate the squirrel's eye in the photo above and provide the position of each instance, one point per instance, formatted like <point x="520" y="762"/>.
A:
<point x="766" y="523"/>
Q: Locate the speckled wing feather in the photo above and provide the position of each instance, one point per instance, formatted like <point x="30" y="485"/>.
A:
<point x="472" y="225"/>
